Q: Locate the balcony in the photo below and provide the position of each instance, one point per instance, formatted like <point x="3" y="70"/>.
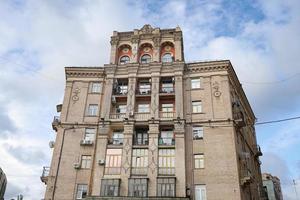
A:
<point x="115" y="141"/>
<point x="141" y="140"/>
<point x="45" y="174"/>
<point x="55" y="122"/>
<point x="143" y="91"/>
<point x="143" y="116"/>
<point x="167" y="90"/>
<point x="166" y="115"/>
<point x="257" y="151"/>
<point x="121" y="90"/>
<point x="246" y="177"/>
<point x="239" y="119"/>
<point x="120" y="116"/>
<point x="166" y="141"/>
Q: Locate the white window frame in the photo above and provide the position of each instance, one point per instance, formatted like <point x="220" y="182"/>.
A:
<point x="196" y="83"/>
<point x="197" y="106"/>
<point x="199" y="161"/>
<point x="118" y="137"/>
<point x="92" y="110"/>
<point x="198" y="132"/>
<point x="166" y="161"/>
<point x="113" y="161"/>
<point x="86" y="161"/>
<point x="123" y="62"/>
<point x="139" y="163"/>
<point x="200" y="192"/>
<point x="96" y="87"/>
<point x="121" y="108"/>
<point x="81" y="188"/>
<point x="89" y="134"/>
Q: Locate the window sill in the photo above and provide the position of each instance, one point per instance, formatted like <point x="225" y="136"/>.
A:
<point x="198" y="138"/>
<point x="201" y="88"/>
<point x="91" y="116"/>
<point x="193" y="113"/>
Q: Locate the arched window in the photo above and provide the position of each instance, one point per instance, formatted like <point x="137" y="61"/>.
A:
<point x="167" y="57"/>
<point x="146" y="58"/>
<point x="124" y="60"/>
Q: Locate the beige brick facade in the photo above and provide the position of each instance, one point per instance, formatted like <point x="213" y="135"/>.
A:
<point x="184" y="130"/>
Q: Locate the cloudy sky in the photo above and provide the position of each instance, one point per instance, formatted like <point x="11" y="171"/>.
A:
<point x="39" y="38"/>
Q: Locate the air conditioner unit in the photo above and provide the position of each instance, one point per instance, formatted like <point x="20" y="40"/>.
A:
<point x="51" y="144"/>
<point x="101" y="162"/>
<point x="86" y="142"/>
<point x="76" y="165"/>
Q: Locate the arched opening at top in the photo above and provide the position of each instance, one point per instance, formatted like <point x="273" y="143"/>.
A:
<point x="146" y="58"/>
<point x="124" y="60"/>
<point x="167" y="52"/>
<point x="167" y="58"/>
<point x="124" y="54"/>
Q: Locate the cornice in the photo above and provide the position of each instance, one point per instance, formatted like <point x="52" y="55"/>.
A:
<point x="84" y="72"/>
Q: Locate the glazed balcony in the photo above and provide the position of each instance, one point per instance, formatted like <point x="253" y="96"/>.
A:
<point x="166" y="115"/>
<point x="45" y="174"/>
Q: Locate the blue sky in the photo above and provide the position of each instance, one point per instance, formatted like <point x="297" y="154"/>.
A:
<point x="39" y="38"/>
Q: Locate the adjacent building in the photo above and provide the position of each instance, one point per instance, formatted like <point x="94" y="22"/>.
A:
<point x="149" y="124"/>
<point x="272" y="186"/>
<point x="3" y="183"/>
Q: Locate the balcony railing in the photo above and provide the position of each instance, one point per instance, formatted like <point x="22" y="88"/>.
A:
<point x="143" y="91"/>
<point x="142" y="115"/>
<point x="55" y="122"/>
<point x="117" y="115"/>
<point x="168" y="90"/>
<point x="166" y="141"/>
<point x="166" y="115"/>
<point x="115" y="141"/>
<point x="121" y="91"/>
<point x="45" y="174"/>
<point x="112" y="170"/>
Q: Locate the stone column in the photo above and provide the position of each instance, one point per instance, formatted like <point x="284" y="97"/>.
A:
<point x="156" y="49"/>
<point x="153" y="157"/>
<point x="179" y="90"/>
<point x="126" y="157"/>
<point x="100" y="153"/>
<point x="135" y="48"/>
<point x="178" y="46"/>
<point x="131" y="90"/>
<point x="180" y="157"/>
<point x="109" y="82"/>
<point x="114" y="48"/>
<point x="154" y="97"/>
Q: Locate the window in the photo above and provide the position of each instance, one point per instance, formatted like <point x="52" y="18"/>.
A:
<point x="197" y="132"/>
<point x="92" y="110"/>
<point x="138" y="187"/>
<point x="110" y="187"/>
<point x="89" y="134"/>
<point x="96" y="87"/>
<point x="167" y="57"/>
<point x="86" y="162"/>
<point x="167" y="85"/>
<point x="166" y="161"/>
<point x="113" y="161"/>
<point x="121" y="109"/>
<point x="195" y="82"/>
<point x="141" y="137"/>
<point x="144" y="87"/>
<point x="139" y="161"/>
<point x="121" y="86"/>
<point x="197" y="106"/>
<point x="167" y="137"/>
<point x="124" y="60"/>
<point x="166" y="187"/>
<point x="199" y="161"/>
<point x="167" y="107"/>
<point x="81" y="191"/>
<point x="200" y="192"/>
<point x="143" y="108"/>
<point x="146" y="58"/>
<point x="117" y="137"/>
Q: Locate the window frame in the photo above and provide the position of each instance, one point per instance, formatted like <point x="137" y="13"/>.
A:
<point x="149" y="59"/>
<point x="197" y="84"/>
<point x="119" y="140"/>
<point x="124" y="62"/>
<point x="201" y="188"/>
<point x="143" y="140"/>
<point x="165" y="182"/>
<point x="139" y="163"/>
<point x="143" y="108"/>
<point x="197" y="108"/>
<point x="107" y="184"/>
<point x="92" y="112"/>
<point x="89" y="134"/>
<point x="86" y="162"/>
<point x="80" y="192"/>
<point x="133" y="182"/>
<point x="170" y="59"/>
<point x="94" y="89"/>
<point x="166" y="161"/>
<point x="200" y="130"/>
<point x="199" y="162"/>
<point x="113" y="162"/>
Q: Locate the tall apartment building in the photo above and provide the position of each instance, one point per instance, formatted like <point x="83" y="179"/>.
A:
<point x="3" y="182"/>
<point x="150" y="125"/>
<point x="272" y="186"/>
